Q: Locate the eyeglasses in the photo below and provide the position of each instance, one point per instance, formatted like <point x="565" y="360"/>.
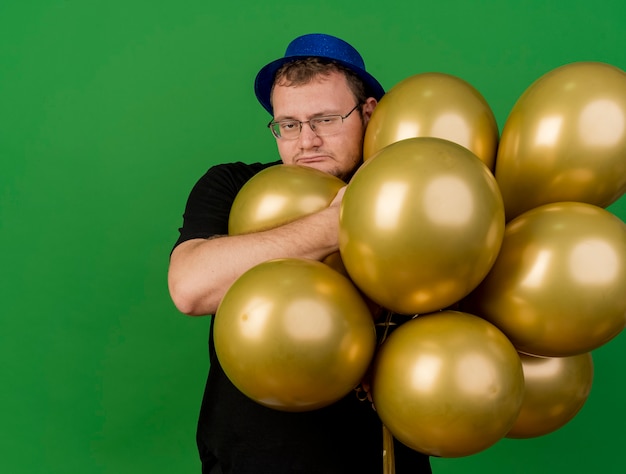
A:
<point x="322" y="126"/>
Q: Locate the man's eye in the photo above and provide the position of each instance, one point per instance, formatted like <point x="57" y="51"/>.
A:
<point x="324" y="120"/>
<point x="288" y="125"/>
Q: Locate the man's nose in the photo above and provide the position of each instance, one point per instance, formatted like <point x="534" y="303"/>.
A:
<point x="308" y="137"/>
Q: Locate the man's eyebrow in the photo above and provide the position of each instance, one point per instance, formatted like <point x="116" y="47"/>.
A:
<point x="280" y="118"/>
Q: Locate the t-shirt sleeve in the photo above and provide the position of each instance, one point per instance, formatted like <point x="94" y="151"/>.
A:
<point x="211" y="198"/>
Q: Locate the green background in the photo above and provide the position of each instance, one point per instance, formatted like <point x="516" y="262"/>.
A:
<point x="110" y="111"/>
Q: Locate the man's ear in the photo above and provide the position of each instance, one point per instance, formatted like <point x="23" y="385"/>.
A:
<point x="368" y="108"/>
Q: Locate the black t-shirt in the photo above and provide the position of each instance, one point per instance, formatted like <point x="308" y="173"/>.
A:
<point x="248" y="438"/>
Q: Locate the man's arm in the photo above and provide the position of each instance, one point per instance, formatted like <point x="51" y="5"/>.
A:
<point x="202" y="270"/>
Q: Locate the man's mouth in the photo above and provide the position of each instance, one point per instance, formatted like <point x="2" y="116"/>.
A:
<point x="311" y="159"/>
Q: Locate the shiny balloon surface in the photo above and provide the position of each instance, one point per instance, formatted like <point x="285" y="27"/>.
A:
<point x="448" y="384"/>
<point x="556" y="388"/>
<point x="421" y="224"/>
<point x="558" y="286"/>
<point x="434" y="105"/>
<point x="294" y="335"/>
<point x="280" y="194"/>
<point x="565" y="140"/>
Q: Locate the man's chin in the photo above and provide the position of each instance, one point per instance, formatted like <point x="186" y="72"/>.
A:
<point x="324" y="166"/>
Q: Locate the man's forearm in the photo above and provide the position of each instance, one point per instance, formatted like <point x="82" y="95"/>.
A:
<point x="202" y="270"/>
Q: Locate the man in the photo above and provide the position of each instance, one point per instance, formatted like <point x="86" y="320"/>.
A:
<point x="321" y="99"/>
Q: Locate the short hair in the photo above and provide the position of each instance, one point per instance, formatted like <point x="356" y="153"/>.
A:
<point x="303" y="71"/>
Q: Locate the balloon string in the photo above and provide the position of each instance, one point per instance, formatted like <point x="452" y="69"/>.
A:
<point x="389" y="462"/>
<point x="361" y="392"/>
<point x="386" y="325"/>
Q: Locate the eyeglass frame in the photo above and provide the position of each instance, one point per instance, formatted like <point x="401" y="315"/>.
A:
<point x="301" y="123"/>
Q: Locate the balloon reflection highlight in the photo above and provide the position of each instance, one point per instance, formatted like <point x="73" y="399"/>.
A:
<point x="556" y="388"/>
<point x="565" y="140"/>
<point x="558" y="285"/>
<point x="448" y="384"/>
<point x="434" y="105"/>
<point x="294" y="335"/>
<point x="280" y="194"/>
<point x="421" y="223"/>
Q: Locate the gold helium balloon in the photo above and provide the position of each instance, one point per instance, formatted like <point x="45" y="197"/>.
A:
<point x="294" y="335"/>
<point x="556" y="388"/>
<point x="434" y="105"/>
<point x="280" y="194"/>
<point x="565" y="140"/>
<point x="420" y="225"/>
<point x="447" y="384"/>
<point x="558" y="286"/>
